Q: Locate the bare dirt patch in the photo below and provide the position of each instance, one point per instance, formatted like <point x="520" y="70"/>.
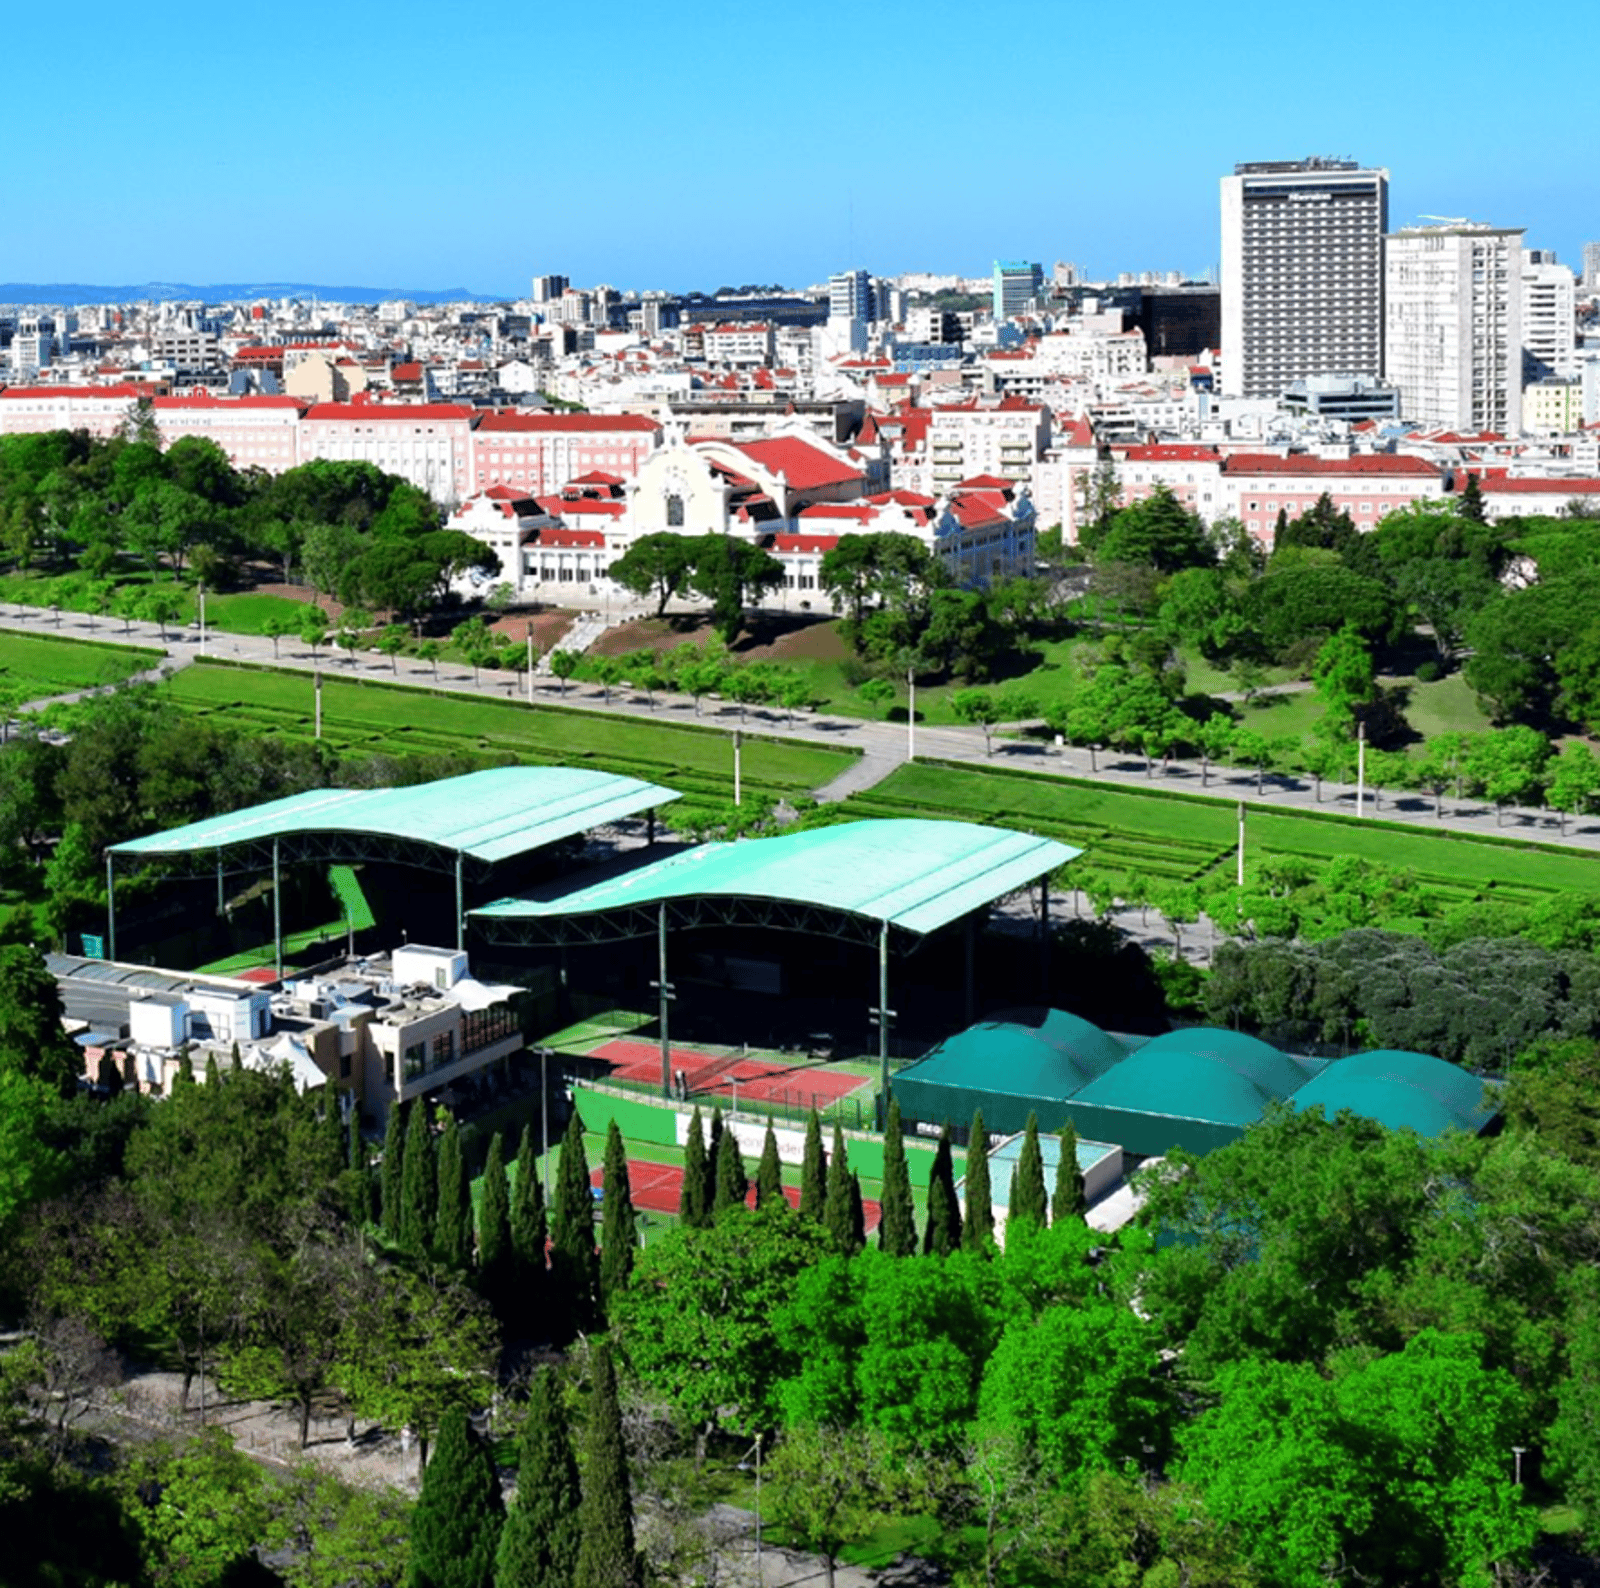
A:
<point x="768" y="637"/>
<point x="550" y="627"/>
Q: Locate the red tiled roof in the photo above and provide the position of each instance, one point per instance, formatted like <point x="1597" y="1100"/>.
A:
<point x="1162" y="453"/>
<point x="407" y="372"/>
<point x="392" y="413"/>
<point x="1304" y="463"/>
<point x="903" y="499"/>
<point x="976" y="508"/>
<point x="591" y="506"/>
<point x="542" y="423"/>
<point x="208" y="400"/>
<point x="595" y="477"/>
<point x="805" y="542"/>
<point x="1540" y="487"/>
<point x="857" y="510"/>
<point x="568" y="537"/>
<point x="804" y="466"/>
<point x="985" y="482"/>
<point x="30" y="393"/>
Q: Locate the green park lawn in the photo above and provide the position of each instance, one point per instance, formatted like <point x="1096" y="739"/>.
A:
<point x="376" y="717"/>
<point x="1162" y="838"/>
<point x="33" y="666"/>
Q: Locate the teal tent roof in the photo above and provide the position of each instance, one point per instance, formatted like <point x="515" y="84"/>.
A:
<point x="490" y="815"/>
<point x="1052" y="1061"/>
<point x="1404" y="1091"/>
<point x="1219" y="1076"/>
<point x="914" y="874"/>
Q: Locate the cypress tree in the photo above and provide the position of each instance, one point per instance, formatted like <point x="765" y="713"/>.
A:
<point x="455" y="1526"/>
<point x="713" y="1150"/>
<point x="733" y="1185"/>
<point x="1027" y="1205"/>
<point x="977" y="1229"/>
<point x="539" y="1543"/>
<point x="419" y="1189"/>
<point x="693" y="1207"/>
<point x="237" y="1058"/>
<point x="213" y="1074"/>
<point x="607" y="1556"/>
<point x="495" y="1257"/>
<point x="530" y="1232"/>
<point x="1069" y="1201"/>
<point x="769" y="1176"/>
<point x="813" y="1182"/>
<point x="943" y="1233"/>
<point x="335" y="1147"/>
<point x="359" y="1182"/>
<point x="897" y="1225"/>
<point x="836" y="1217"/>
<point x="617" y="1235"/>
<point x="858" y="1215"/>
<point x="452" y="1236"/>
<point x="185" y="1075"/>
<point x="390" y="1174"/>
<point x="572" y="1231"/>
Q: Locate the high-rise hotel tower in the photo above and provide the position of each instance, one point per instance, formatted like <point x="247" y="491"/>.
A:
<point x="1302" y="273"/>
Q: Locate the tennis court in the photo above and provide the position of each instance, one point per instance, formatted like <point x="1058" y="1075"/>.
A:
<point x="658" y="1188"/>
<point x="795" y="1085"/>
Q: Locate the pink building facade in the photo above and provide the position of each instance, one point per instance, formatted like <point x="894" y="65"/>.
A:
<point x="101" y="410"/>
<point x="1258" y="486"/>
<point x="428" y="444"/>
<point x="255" y="432"/>
<point x="538" y="453"/>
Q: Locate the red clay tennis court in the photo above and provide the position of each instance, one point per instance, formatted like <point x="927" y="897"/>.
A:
<point x="761" y="1080"/>
<point x="658" y="1187"/>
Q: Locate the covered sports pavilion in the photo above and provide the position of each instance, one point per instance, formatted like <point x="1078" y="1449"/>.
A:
<point x="461" y="826"/>
<point x="887" y="883"/>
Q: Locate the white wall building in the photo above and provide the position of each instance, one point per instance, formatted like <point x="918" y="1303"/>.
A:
<point x="1302" y="273"/>
<point x="1549" y="317"/>
<point x="1453" y="325"/>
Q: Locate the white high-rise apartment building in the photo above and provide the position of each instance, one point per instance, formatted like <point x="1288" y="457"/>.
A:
<point x="1549" y="317"/>
<point x="1453" y="325"/>
<point x="1302" y="273"/>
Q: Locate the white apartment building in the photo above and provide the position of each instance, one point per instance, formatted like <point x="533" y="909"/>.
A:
<point x="1004" y="439"/>
<point x="1549" y="317"/>
<point x="1302" y="273"/>
<point x="1453" y="325"/>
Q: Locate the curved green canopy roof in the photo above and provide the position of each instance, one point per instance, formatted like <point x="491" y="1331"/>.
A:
<point x="489" y="816"/>
<point x="1404" y="1091"/>
<point x="1203" y="1074"/>
<point x="915" y="874"/>
<point x="1052" y="1060"/>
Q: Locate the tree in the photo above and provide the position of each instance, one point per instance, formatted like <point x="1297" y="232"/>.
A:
<point x="391" y="642"/>
<point x="1574" y="780"/>
<point x="977" y="1228"/>
<point x="942" y="1233"/>
<point x="495" y="1253"/>
<point x="813" y="1172"/>
<point x="889" y="573"/>
<point x="452" y="1239"/>
<point x="836" y="1213"/>
<point x="1342" y="678"/>
<point x="572" y="1259"/>
<point x="978" y="706"/>
<point x="732" y="1186"/>
<point x="419" y="1191"/>
<point x="539" y="1542"/>
<point x="529" y="1230"/>
<point x="32" y="1041"/>
<point x="607" y="1556"/>
<point x="314" y="628"/>
<point x="769" y="1175"/>
<point x="897" y="1224"/>
<point x="1027" y="1207"/>
<point x="1508" y="764"/>
<point x="618" y="1241"/>
<point x="693" y="1207"/>
<point x="1069" y="1201"/>
<point x="829" y="1488"/>
<point x="655" y="565"/>
<point x="1156" y="532"/>
<point x="455" y="1528"/>
<point x="391" y="1196"/>
<point x="1470" y="503"/>
<point x="564" y="664"/>
<point x="726" y="573"/>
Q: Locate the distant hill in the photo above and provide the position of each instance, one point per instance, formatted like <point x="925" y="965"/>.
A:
<point x="72" y="292"/>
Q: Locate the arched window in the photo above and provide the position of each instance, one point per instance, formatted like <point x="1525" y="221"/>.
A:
<point x="674" y="511"/>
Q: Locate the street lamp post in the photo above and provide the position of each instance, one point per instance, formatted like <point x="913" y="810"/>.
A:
<point x="1361" y="769"/>
<point x="738" y="748"/>
<point x="202" y="617"/>
<point x="544" y="1121"/>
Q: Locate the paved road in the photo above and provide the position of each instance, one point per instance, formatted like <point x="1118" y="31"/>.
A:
<point x="883" y="746"/>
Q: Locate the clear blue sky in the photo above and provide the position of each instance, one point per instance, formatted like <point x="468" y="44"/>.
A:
<point x="711" y="143"/>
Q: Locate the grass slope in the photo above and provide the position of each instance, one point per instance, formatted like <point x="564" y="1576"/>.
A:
<point x="376" y="717"/>
<point x="35" y="665"/>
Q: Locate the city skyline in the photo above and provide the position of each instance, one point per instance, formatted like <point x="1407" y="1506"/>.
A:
<point x="354" y="148"/>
